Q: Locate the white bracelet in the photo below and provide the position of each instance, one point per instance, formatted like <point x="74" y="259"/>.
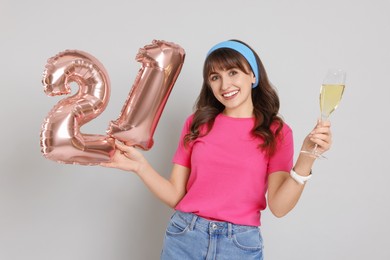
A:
<point x="299" y="178"/>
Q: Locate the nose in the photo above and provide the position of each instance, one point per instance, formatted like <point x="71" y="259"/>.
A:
<point x="226" y="82"/>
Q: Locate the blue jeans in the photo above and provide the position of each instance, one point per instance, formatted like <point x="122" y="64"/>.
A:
<point x="191" y="237"/>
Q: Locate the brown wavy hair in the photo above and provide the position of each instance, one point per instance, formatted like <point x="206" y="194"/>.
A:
<point x="264" y="97"/>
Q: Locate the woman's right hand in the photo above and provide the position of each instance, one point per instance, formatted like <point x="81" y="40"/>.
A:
<point x="126" y="158"/>
<point x="170" y="191"/>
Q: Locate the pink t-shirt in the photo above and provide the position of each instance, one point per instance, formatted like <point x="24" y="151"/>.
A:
<point x="228" y="179"/>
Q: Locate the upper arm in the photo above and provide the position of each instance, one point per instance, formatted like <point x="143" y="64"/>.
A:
<point x="179" y="178"/>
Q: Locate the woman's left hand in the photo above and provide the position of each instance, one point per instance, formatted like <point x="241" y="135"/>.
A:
<point x="320" y="135"/>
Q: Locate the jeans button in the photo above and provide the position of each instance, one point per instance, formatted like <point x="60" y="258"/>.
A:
<point x="214" y="226"/>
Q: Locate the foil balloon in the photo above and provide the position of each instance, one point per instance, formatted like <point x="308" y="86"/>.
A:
<point x="161" y="64"/>
<point x="61" y="139"/>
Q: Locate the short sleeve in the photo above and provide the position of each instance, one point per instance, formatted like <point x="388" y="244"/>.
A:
<point x="182" y="155"/>
<point x="282" y="160"/>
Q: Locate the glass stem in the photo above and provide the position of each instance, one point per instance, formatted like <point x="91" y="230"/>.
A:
<point x="322" y="118"/>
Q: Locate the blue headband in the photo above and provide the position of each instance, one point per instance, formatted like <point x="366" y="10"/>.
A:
<point x="244" y="51"/>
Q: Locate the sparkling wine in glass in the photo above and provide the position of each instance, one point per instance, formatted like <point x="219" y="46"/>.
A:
<point x="331" y="92"/>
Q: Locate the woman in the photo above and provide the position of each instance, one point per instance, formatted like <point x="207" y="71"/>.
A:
<point x="234" y="150"/>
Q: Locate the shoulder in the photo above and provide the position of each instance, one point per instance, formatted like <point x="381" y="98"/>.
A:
<point x="283" y="133"/>
<point x="285" y="129"/>
<point x="190" y="117"/>
<point x="189" y="120"/>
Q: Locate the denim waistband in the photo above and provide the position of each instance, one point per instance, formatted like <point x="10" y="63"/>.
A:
<point x="206" y="225"/>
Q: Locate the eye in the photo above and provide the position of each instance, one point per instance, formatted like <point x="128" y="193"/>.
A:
<point x="233" y="72"/>
<point x="213" y="77"/>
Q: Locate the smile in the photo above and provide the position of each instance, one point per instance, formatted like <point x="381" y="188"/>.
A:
<point x="230" y="94"/>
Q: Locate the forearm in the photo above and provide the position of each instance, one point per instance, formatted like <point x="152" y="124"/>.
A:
<point x="162" y="188"/>
<point x="170" y="191"/>
<point x="283" y="191"/>
<point x="284" y="199"/>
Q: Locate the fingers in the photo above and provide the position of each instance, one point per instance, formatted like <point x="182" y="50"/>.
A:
<point x="124" y="149"/>
<point x="129" y="152"/>
<point x="322" y="137"/>
<point x="319" y="138"/>
<point x="112" y="163"/>
<point x="325" y="135"/>
<point x="106" y="164"/>
<point x="323" y="142"/>
<point x="322" y="122"/>
<point x="322" y="128"/>
<point x="322" y="134"/>
<point x="121" y="146"/>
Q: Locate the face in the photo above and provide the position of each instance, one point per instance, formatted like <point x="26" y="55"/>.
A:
<point x="233" y="88"/>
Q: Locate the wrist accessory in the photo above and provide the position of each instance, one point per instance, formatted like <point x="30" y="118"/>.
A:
<point x="299" y="178"/>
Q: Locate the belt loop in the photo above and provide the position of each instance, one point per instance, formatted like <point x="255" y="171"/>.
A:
<point x="192" y="225"/>
<point x="230" y="230"/>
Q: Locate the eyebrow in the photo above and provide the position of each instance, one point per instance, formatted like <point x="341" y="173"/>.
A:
<point x="213" y="72"/>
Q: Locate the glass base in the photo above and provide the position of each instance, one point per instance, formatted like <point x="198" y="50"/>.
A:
<point x="314" y="154"/>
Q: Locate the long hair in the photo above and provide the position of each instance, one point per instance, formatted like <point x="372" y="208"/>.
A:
<point x="264" y="97"/>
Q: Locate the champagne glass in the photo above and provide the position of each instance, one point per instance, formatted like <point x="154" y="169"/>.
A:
<point x="332" y="90"/>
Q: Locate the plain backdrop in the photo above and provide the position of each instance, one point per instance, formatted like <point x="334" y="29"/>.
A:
<point x="71" y="212"/>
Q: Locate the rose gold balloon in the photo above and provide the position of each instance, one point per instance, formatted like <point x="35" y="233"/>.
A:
<point x="61" y="139"/>
<point x="161" y="64"/>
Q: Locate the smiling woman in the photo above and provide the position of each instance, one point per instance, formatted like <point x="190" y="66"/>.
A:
<point x="233" y="150"/>
<point x="232" y="87"/>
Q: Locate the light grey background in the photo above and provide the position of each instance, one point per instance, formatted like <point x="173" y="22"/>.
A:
<point x="54" y="211"/>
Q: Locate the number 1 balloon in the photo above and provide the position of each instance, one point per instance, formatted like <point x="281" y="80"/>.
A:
<point x="161" y="65"/>
<point x="61" y="139"/>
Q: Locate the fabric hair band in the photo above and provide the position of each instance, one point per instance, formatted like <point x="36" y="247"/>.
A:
<point x="244" y="51"/>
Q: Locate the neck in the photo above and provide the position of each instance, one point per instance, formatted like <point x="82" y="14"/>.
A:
<point x="238" y="114"/>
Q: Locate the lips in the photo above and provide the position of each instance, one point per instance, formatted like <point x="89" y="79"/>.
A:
<point x="230" y="94"/>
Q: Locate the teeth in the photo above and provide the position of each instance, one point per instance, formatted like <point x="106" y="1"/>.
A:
<point x="230" y="94"/>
